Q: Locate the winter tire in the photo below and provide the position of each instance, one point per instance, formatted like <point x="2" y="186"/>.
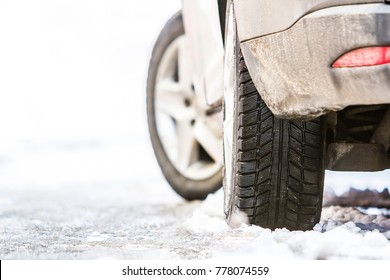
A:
<point x="186" y="145"/>
<point x="274" y="168"/>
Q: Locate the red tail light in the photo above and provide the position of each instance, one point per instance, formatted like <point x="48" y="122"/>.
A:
<point x="370" y="56"/>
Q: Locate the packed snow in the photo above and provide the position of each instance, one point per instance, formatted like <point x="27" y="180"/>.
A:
<point x="78" y="179"/>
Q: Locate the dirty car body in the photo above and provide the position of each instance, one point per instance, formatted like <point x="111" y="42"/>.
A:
<point x="290" y="46"/>
<point x="291" y="52"/>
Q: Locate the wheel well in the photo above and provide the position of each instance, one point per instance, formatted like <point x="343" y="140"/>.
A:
<point x="358" y="138"/>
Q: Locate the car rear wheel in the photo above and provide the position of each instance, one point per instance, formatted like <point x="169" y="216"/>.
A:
<point x="186" y="139"/>
<point x="274" y="168"/>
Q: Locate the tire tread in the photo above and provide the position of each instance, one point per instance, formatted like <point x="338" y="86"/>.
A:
<point x="279" y="165"/>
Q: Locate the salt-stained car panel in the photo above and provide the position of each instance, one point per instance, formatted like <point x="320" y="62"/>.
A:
<point x="292" y="69"/>
<point x="261" y="17"/>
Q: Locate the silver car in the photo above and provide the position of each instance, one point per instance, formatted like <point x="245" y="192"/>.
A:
<point x="261" y="96"/>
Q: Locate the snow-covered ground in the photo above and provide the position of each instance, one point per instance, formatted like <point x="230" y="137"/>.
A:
<point x="77" y="175"/>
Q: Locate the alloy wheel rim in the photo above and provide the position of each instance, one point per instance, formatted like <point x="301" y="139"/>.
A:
<point x="184" y="128"/>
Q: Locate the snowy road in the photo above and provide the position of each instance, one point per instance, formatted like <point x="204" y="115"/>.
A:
<point x="77" y="176"/>
<point x="113" y="213"/>
<point x="137" y="216"/>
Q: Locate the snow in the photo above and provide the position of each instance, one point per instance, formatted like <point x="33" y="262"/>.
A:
<point x="338" y="235"/>
<point x="78" y="179"/>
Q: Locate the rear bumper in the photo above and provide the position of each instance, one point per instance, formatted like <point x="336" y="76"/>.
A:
<point x="292" y="69"/>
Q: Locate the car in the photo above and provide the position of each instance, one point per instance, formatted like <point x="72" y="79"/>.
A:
<point x="263" y="96"/>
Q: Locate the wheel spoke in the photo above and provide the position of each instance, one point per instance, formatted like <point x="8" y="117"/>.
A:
<point x="169" y="98"/>
<point x="187" y="145"/>
<point x="209" y="141"/>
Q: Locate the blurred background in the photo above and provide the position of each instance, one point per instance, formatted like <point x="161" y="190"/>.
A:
<point x="72" y="91"/>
